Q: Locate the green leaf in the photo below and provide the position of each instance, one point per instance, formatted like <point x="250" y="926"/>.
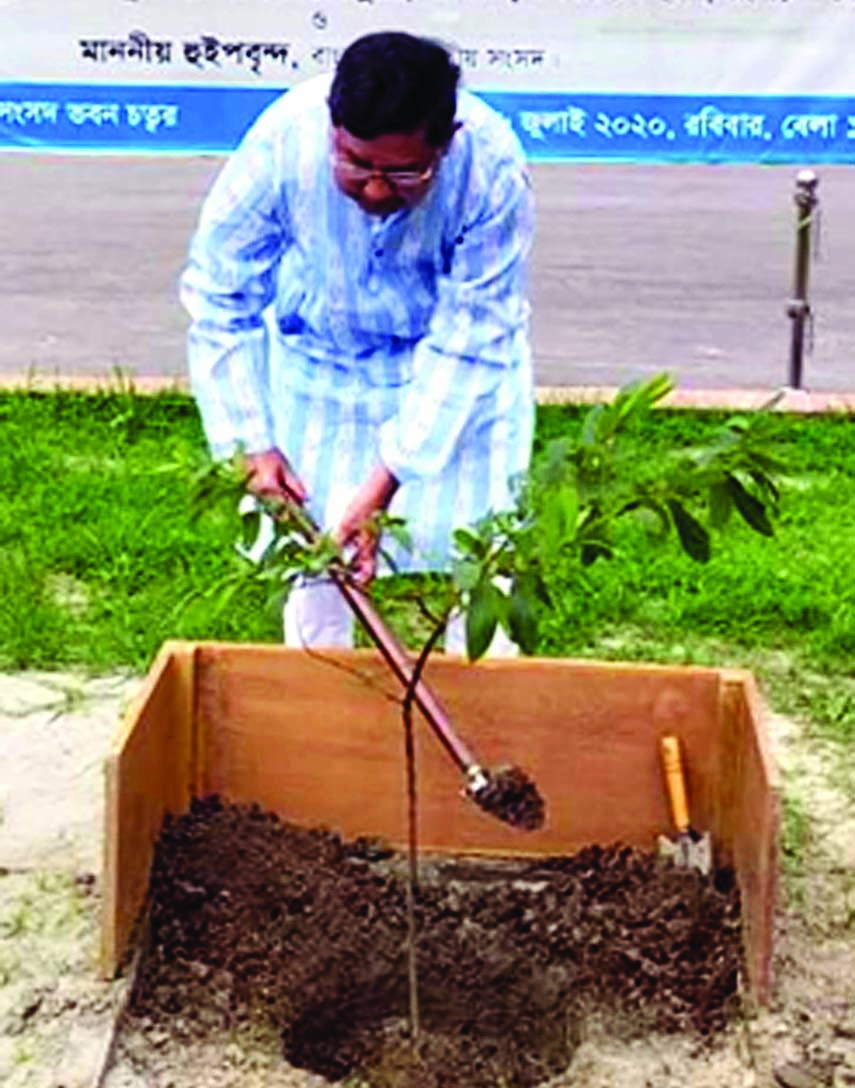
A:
<point x="313" y="565"/>
<point x="568" y="499"/>
<point x="558" y="518"/>
<point x="766" y="484"/>
<point x="397" y="530"/>
<point x="694" y="538"/>
<point x="470" y="543"/>
<point x="521" y="619"/>
<point x="659" y="386"/>
<point x="466" y="573"/>
<point x="482" y="618"/>
<point x="720" y="503"/>
<point x="767" y="462"/>
<point x="645" y="504"/>
<point x="325" y="547"/>
<point x="750" y="507"/>
<point x="638" y="397"/>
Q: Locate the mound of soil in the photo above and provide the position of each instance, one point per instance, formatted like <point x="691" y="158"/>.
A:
<point x="252" y="919"/>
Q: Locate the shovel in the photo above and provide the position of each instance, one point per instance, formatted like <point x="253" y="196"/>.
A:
<point x="691" y="850"/>
<point x="506" y="793"/>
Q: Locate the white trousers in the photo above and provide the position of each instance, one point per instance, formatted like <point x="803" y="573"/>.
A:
<point x="316" y="615"/>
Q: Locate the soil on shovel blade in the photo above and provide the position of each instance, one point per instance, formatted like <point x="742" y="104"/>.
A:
<point x="253" y="920"/>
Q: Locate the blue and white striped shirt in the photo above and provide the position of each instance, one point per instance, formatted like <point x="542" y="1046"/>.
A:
<point x="343" y="338"/>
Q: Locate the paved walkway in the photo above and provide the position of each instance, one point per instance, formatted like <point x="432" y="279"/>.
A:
<point x="636" y="269"/>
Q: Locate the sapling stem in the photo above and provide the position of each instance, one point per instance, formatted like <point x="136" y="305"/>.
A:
<point x="412" y="829"/>
<point x="412" y="874"/>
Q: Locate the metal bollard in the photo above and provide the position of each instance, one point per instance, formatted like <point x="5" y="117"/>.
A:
<point x="798" y="308"/>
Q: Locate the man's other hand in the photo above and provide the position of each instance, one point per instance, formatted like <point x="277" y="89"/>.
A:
<point x="356" y="528"/>
<point x="271" y="477"/>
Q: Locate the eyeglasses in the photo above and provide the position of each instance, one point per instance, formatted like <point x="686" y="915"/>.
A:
<point x="398" y="179"/>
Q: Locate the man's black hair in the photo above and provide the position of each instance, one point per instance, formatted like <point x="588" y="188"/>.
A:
<point x="390" y="83"/>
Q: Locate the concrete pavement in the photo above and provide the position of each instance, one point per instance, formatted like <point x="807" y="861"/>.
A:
<point x="636" y="268"/>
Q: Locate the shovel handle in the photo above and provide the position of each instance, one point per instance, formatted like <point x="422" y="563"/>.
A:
<point x="675" y="782"/>
<point x="399" y="662"/>
<point x="393" y="652"/>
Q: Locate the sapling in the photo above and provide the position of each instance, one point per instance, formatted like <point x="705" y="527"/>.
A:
<point x="508" y="566"/>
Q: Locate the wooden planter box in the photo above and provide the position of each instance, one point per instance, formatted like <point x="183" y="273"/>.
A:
<point x="316" y="738"/>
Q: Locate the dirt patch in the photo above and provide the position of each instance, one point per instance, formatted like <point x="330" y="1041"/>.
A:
<point x="56" y="1014"/>
<point x="808" y="1033"/>
<point x="254" y="921"/>
<point x="55" y="731"/>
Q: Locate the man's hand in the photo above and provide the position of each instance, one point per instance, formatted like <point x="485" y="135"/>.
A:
<point x="355" y="527"/>
<point x="271" y="477"/>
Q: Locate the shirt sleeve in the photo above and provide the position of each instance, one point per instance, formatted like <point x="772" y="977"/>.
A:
<point x="227" y="284"/>
<point x="474" y="334"/>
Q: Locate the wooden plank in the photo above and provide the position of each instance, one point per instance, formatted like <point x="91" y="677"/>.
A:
<point x="149" y="772"/>
<point x="314" y="742"/>
<point x="750" y="821"/>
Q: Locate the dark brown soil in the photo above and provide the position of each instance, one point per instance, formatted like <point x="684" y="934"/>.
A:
<point x="253" y="918"/>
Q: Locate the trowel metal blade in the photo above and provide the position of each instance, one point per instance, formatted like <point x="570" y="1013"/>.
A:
<point x="690" y="851"/>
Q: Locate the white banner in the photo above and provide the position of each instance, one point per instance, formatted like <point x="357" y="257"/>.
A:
<point x="678" y="47"/>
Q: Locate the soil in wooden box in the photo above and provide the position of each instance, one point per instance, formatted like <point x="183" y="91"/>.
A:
<point x="253" y="918"/>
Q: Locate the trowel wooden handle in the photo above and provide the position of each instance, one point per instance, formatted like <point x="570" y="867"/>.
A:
<point x="672" y="764"/>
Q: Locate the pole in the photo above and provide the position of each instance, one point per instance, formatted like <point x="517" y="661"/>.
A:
<point x="798" y="308"/>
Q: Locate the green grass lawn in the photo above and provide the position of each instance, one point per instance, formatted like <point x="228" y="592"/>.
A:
<point x="101" y="559"/>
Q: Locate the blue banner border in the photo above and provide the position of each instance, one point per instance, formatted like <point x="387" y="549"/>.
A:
<point x="553" y="127"/>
